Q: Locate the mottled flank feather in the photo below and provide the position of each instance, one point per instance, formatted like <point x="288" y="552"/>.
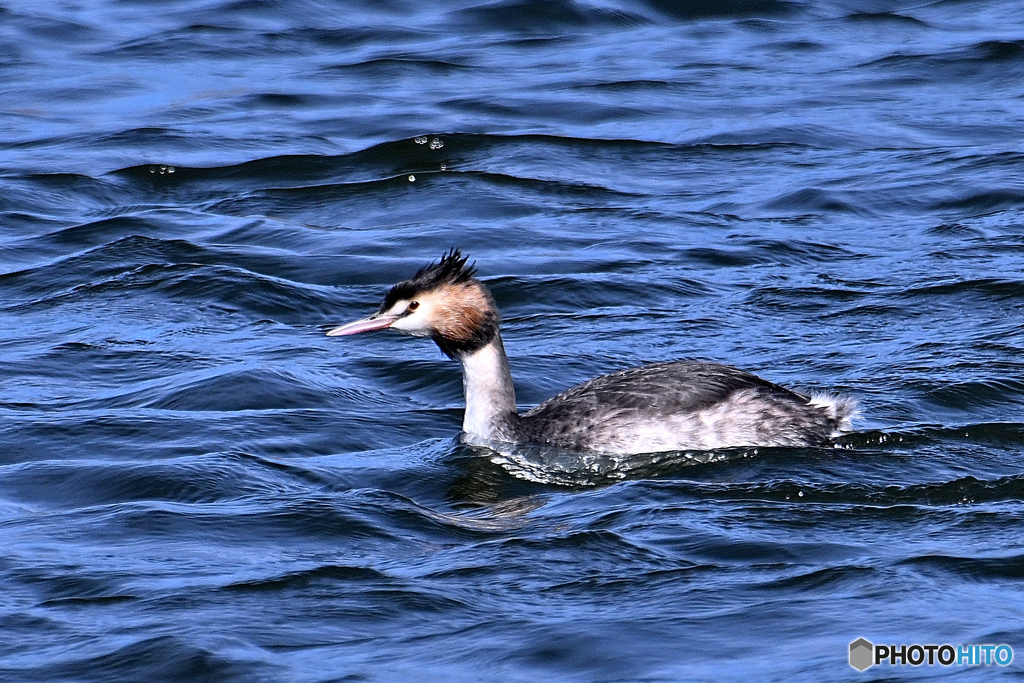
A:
<point x="683" y="405"/>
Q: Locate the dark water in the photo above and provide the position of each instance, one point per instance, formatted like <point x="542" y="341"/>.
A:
<point x="196" y="484"/>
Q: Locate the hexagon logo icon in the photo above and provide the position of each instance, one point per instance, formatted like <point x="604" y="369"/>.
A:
<point x="862" y="654"/>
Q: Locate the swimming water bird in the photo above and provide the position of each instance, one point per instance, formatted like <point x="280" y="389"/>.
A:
<point x="674" y="406"/>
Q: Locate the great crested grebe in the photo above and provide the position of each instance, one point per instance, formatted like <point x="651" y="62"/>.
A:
<point x="676" y="406"/>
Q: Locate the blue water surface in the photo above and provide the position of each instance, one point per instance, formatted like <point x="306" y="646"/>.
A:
<point x="197" y="485"/>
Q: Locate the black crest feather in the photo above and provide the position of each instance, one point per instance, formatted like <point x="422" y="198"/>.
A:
<point x="450" y="270"/>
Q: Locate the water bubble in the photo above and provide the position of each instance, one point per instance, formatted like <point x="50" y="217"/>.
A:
<point x="801" y="494"/>
<point x="412" y="179"/>
<point x="444" y="167"/>
<point x="436" y="143"/>
<point x="420" y="139"/>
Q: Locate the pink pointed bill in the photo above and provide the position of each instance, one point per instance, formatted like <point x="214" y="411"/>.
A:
<point x="365" y="325"/>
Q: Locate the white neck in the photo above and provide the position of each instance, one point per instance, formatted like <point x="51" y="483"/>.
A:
<point x="490" y="397"/>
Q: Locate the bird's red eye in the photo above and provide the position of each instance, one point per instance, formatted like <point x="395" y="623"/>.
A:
<point x="413" y="305"/>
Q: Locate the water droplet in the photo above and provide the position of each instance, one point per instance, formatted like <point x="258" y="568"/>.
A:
<point x="444" y="167"/>
<point x="152" y="170"/>
<point x="170" y="169"/>
<point x="412" y="179"/>
<point x="801" y="494"/>
<point x="436" y="143"/>
<point x="420" y="139"/>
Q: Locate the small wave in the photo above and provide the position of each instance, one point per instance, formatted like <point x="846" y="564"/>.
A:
<point x="965" y="490"/>
<point x="93" y="269"/>
<point x="769" y="251"/>
<point x="700" y="9"/>
<point x="388" y="163"/>
<point x="191" y="480"/>
<point x="245" y="389"/>
<point x="145" y="137"/>
<point x="615" y="549"/>
<point x="540" y="16"/>
<point x="754" y="138"/>
<point x="383" y="160"/>
<point x="817" y="200"/>
<point x="827" y="579"/>
<point x="160" y="658"/>
<point x="995" y="60"/>
<point x="209" y="40"/>
<point x="416" y="154"/>
<point x="975" y="568"/>
<point x="74" y="589"/>
<point x="103" y="231"/>
<point x="400" y="65"/>
<point x="954" y="230"/>
<point x="995" y="288"/>
<point x="322" y="575"/>
<point x="338" y="38"/>
<point x="1007" y="433"/>
<point x="806" y="298"/>
<point x="284" y="100"/>
<point x="984" y="202"/>
<point x="561" y="295"/>
<point x="885" y="17"/>
<point x="174" y="269"/>
<point x="966" y="395"/>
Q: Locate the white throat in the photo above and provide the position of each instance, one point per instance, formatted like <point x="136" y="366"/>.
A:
<point x="490" y="397"/>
